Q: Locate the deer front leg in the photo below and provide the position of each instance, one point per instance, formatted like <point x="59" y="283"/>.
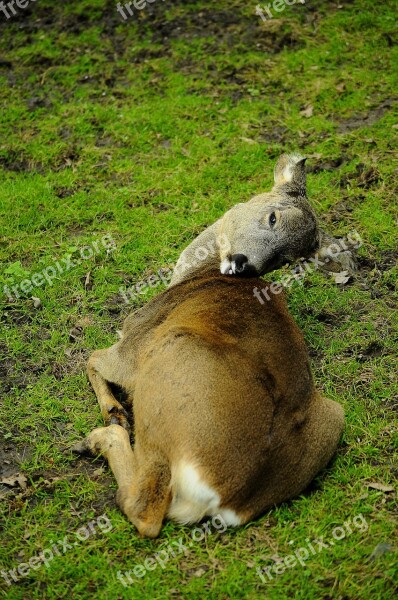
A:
<point x="99" y="374"/>
<point x="113" y="442"/>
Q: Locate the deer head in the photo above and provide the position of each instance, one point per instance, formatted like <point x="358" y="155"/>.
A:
<point x="263" y="234"/>
<point x="273" y="228"/>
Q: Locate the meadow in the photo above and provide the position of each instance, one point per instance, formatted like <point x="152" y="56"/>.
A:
<point x="120" y="141"/>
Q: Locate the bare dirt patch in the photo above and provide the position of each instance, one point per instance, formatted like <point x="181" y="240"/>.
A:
<point x="45" y="481"/>
<point x="11" y="457"/>
<point x="364" y="177"/>
<point x="367" y="119"/>
<point x="11" y="373"/>
<point x="231" y="28"/>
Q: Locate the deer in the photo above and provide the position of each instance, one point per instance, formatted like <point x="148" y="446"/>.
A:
<point x="227" y="418"/>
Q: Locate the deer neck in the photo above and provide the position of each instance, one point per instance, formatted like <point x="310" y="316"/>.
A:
<point x="201" y="255"/>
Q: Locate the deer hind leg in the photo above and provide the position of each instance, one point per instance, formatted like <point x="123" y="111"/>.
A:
<point x="146" y="500"/>
<point x="321" y="433"/>
<point x="101" y="370"/>
<point x="326" y="425"/>
<point x="144" y="485"/>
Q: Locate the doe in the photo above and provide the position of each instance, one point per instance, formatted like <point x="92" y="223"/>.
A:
<point x="227" y="419"/>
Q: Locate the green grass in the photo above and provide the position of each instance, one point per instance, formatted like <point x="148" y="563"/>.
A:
<point x="148" y="131"/>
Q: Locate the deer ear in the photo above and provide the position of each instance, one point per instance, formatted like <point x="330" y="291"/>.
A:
<point x="290" y="168"/>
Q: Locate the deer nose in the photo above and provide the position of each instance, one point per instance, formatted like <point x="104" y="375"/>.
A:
<point x="240" y="263"/>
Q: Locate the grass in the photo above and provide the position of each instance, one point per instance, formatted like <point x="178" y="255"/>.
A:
<point x="147" y="131"/>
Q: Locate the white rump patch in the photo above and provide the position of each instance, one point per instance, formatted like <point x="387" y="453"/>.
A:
<point x="193" y="498"/>
<point x="229" y="517"/>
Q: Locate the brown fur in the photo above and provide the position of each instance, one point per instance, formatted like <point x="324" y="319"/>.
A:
<point x="217" y="380"/>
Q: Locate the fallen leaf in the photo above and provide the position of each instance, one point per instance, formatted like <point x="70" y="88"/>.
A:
<point x="36" y="302"/>
<point x="75" y="333"/>
<point x="380" y="486"/>
<point x="248" y="140"/>
<point x="307" y="112"/>
<point x="87" y="282"/>
<point x="98" y="472"/>
<point x="379" y="550"/>
<point x="75" y="512"/>
<point x="84" y="322"/>
<point x="15" y="480"/>
<point x="341" y="277"/>
<point x="51" y="481"/>
<point x="340" y="87"/>
<point x="363" y="496"/>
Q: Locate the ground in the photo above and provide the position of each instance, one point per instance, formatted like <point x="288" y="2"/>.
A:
<point x="145" y="131"/>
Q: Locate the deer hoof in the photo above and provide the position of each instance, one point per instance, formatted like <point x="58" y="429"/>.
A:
<point x="118" y="416"/>
<point x="81" y="447"/>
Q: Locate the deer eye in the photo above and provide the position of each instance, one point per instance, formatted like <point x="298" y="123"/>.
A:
<point x="272" y="219"/>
